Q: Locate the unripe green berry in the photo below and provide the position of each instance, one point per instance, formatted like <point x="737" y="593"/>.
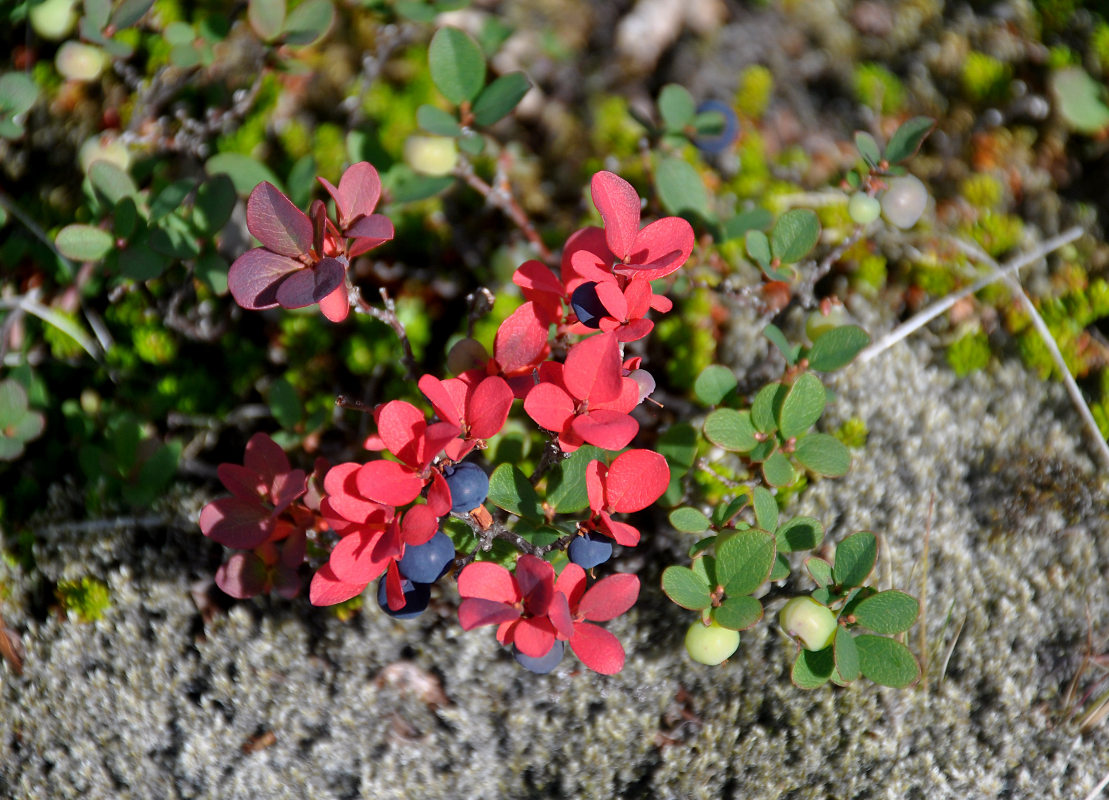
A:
<point x="103" y="147"/>
<point x="904" y="200"/>
<point x="80" y="62"/>
<point x="710" y="644"/>
<point x="818" y="323"/>
<point x="431" y="155"/>
<point x="53" y="19"/>
<point x="863" y="208"/>
<point x="811" y="623"/>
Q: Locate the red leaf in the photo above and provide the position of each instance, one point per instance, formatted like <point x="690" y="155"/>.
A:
<point x="388" y="482"/>
<point x="311" y="284"/>
<point x="235" y="523"/>
<point x="359" y="190"/>
<point x="286" y="488"/>
<point x="609" y="430"/>
<point x="638" y="295"/>
<point x="439" y="495"/>
<point x="535" y="577"/>
<point x="278" y="224"/>
<point x="549" y="406"/>
<point x="534" y="636"/>
<point x="597" y="648"/>
<point x="585" y="257"/>
<point x="635" y="330"/>
<point x="521" y="341"/>
<point x="609" y="597"/>
<point x="368" y="233"/>
<point x="536" y="278"/>
<point x="571" y="582"/>
<point x="394" y="589"/>
<point x="418" y="525"/>
<point x="265" y="456"/>
<point x="618" y="203"/>
<point x="592" y="369"/>
<point x="595" y="485"/>
<point x="401" y="426"/>
<point x="244" y="575"/>
<point x="336" y="306"/>
<point x="340" y="484"/>
<point x="473" y="612"/>
<point x="437" y="436"/>
<point x="636" y="479"/>
<point x="608" y="292"/>
<point x="441" y="398"/>
<point x="621" y="532"/>
<point x="246" y="484"/>
<point x="327" y="590"/>
<point x="352" y="559"/>
<point x="559" y="614"/>
<point x="487" y="408"/>
<point x="660" y="248"/>
<point x="488" y="581"/>
<point x="256" y="275"/>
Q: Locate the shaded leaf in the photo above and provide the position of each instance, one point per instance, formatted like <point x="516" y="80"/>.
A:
<point x="215" y="200"/>
<point x="802" y="406"/>
<point x="437" y="121"/>
<point x="778" y="339"/>
<point x="714" y="382"/>
<point x="245" y="172"/>
<point x="906" y="140"/>
<point x="837" y="348"/>
<point x="500" y="98"/>
<point x="777" y="470"/>
<point x="846" y="655"/>
<point x="819" y="570"/>
<point x="111" y="181"/>
<point x="799" y="533"/>
<point x="812" y="668"/>
<point x="510" y="489"/>
<point x="855" y="557"/>
<point x="566" y="491"/>
<point x="868" y="148"/>
<point x="738" y="613"/>
<point x="764" y="408"/>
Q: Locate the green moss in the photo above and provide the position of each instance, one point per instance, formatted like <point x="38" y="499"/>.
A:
<point x="853" y="432"/>
<point x="877" y="87"/>
<point x="934" y="278"/>
<point x="983" y="191"/>
<point x="688" y="334"/>
<point x="871" y="273"/>
<point x="330" y="150"/>
<point x="1099" y="46"/>
<point x="62" y="346"/>
<point x="154" y="345"/>
<point x="251" y="132"/>
<point x="346" y="610"/>
<point x="997" y="233"/>
<point x="756" y="87"/>
<point x="1100" y="407"/>
<point x="613" y="132"/>
<point x="87" y="598"/>
<point x="985" y="78"/>
<point x="296" y="139"/>
<point x="968" y="353"/>
<point x="754" y="176"/>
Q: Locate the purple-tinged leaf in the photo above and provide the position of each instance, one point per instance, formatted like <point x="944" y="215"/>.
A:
<point x="359" y="191"/>
<point x="311" y="285"/>
<point x="278" y="224"/>
<point x="369" y="232"/>
<point x="255" y="276"/>
<point x="242" y="576"/>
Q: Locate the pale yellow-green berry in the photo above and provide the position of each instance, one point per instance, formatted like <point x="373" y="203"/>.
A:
<point x="80" y="62"/>
<point x="710" y="644"/>
<point x="807" y="621"/>
<point x="431" y="155"/>
<point x="53" y="19"/>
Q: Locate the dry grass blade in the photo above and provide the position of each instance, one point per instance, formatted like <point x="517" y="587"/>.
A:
<point x="11" y="648"/>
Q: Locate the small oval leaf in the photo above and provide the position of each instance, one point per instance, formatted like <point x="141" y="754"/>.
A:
<point x="714" y="382"/>
<point x="887" y="612"/>
<point x="84" y="242"/>
<point x="836" y="348"/>
<point x="802" y="406"/>
<point x="457" y="65"/>
<point x="795" y="235"/>
<point x="686" y="588"/>
<point x="731" y="429"/>
<point x="823" y="454"/>
<point x="886" y="661"/>
<point x="855" y="557"/>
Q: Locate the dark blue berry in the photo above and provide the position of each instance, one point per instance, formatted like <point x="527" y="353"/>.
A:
<point x="426" y="563"/>
<point x="543" y="664"/>
<point x="587" y="305"/>
<point x="590" y="550"/>
<point x="469" y="486"/>
<point x="718" y="141"/>
<point x="416" y="597"/>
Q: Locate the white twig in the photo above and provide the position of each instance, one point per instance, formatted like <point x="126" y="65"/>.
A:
<point x="1049" y="341"/>
<point x="922" y="318"/>
<point x="1097" y="789"/>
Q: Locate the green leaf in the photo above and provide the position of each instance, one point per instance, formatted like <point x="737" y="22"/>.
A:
<point x="139" y="263"/>
<point x="309" y="22"/>
<point x="285" y="404"/>
<point x="678" y="444"/>
<point x="171" y="198"/>
<point x="868" y="148"/>
<point x="766" y="509"/>
<point x="846" y="655"/>
<point x="886" y="661"/>
<point x="129" y="12"/>
<point x="777" y="470"/>
<point x="173" y="238"/>
<point x="749" y="220"/>
<point x="836" y="348"/>
<point x="215" y="200"/>
<point x="700" y="546"/>
<point x="907" y="139"/>
<point x="731" y="430"/>
<point x="267" y="17"/>
<point x="84" y="242"/>
<point x="799" y="533"/>
<point x="13" y="403"/>
<point x="819" y="570"/>
<point x="566" y="491"/>
<point x="855" y="557"/>
<point x="778" y="339"/>
<point x="245" y="172"/>
<point x="511" y="490"/>
<point x="113" y="183"/>
<point x="686" y="588"/>
<point x="18" y="93"/>
<point x="457" y="65"/>
<point x="500" y="98"/>
<point x="681" y="189"/>
<point x="714" y="382"/>
<point x="437" y="121"/>
<point x="723" y="514"/>
<point x="212" y="269"/>
<point x="406" y="186"/>
<point x="812" y="668"/>
<point x="823" y="454"/>
<point x="780" y="571"/>
<point x="471" y="143"/>
<point x="125" y="219"/>
<point x="689" y="520"/>
<point x="179" y="34"/>
<point x="738" y="613"/>
<point x="795" y="235"/>
<point x="802" y="406"/>
<point x="764" y="408"/>
<point x="887" y="612"/>
<point x="758" y="248"/>
<point x="705" y="567"/>
<point x="743" y="561"/>
<point x="676" y="106"/>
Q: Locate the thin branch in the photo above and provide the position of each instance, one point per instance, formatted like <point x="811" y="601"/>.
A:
<point x="500" y="197"/>
<point x="922" y="318"/>
<point x="1049" y="341"/>
<point x="388" y="315"/>
<point x="1097" y="789"/>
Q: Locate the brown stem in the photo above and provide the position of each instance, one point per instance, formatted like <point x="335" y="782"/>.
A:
<point x="501" y="197"/>
<point x="388" y="315"/>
